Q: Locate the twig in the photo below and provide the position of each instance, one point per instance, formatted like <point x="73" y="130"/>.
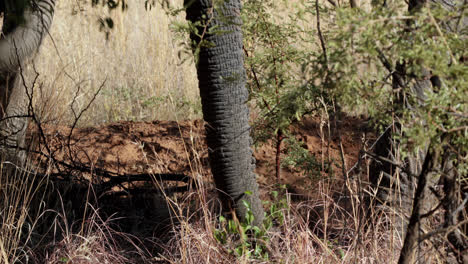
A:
<point x="30" y="98"/>
<point x="320" y="35"/>
<point x="454" y="61"/>
<point x="370" y="148"/>
<point x="77" y="117"/>
<point x="332" y="2"/>
<point x="117" y="179"/>
<point x="440" y="231"/>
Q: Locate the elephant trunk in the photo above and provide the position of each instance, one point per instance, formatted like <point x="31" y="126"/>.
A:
<point x="221" y="76"/>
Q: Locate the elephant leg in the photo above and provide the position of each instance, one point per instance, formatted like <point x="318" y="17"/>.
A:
<point x="222" y="80"/>
<point x="396" y="185"/>
<point x="13" y="122"/>
<point x="19" y="42"/>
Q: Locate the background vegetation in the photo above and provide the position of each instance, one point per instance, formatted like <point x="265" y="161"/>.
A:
<point x="304" y="59"/>
<point x="136" y="63"/>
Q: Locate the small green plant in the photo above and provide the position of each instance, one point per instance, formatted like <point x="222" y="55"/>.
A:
<point x="277" y="47"/>
<point x="246" y="240"/>
<point x="275" y="215"/>
<point x="301" y="160"/>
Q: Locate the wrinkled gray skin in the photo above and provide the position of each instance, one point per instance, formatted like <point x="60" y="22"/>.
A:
<point x="221" y="76"/>
<point x="222" y="87"/>
<point x="19" y="41"/>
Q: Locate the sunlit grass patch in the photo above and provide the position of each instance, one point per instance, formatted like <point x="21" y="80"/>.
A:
<point x="137" y="66"/>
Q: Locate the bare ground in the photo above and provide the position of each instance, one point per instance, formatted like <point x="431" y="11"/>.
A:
<point x="128" y="149"/>
<point x="172" y="147"/>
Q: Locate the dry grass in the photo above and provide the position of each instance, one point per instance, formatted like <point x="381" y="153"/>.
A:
<point x="138" y="67"/>
<point x="298" y="240"/>
<point x="96" y="242"/>
<point x="315" y="230"/>
<point x="142" y="80"/>
<point x="17" y="221"/>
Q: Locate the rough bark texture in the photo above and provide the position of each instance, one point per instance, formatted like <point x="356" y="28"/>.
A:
<point x="221" y="78"/>
<point x="25" y="25"/>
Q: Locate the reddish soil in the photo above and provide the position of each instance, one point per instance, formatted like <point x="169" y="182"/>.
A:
<point x="179" y="148"/>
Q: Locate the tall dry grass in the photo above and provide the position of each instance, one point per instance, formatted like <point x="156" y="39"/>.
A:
<point x="317" y="230"/>
<point x="137" y="66"/>
<point x="141" y="77"/>
<point x="19" y="191"/>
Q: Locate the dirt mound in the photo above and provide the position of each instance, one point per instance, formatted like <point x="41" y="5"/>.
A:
<point x="130" y="147"/>
<point x="179" y="148"/>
